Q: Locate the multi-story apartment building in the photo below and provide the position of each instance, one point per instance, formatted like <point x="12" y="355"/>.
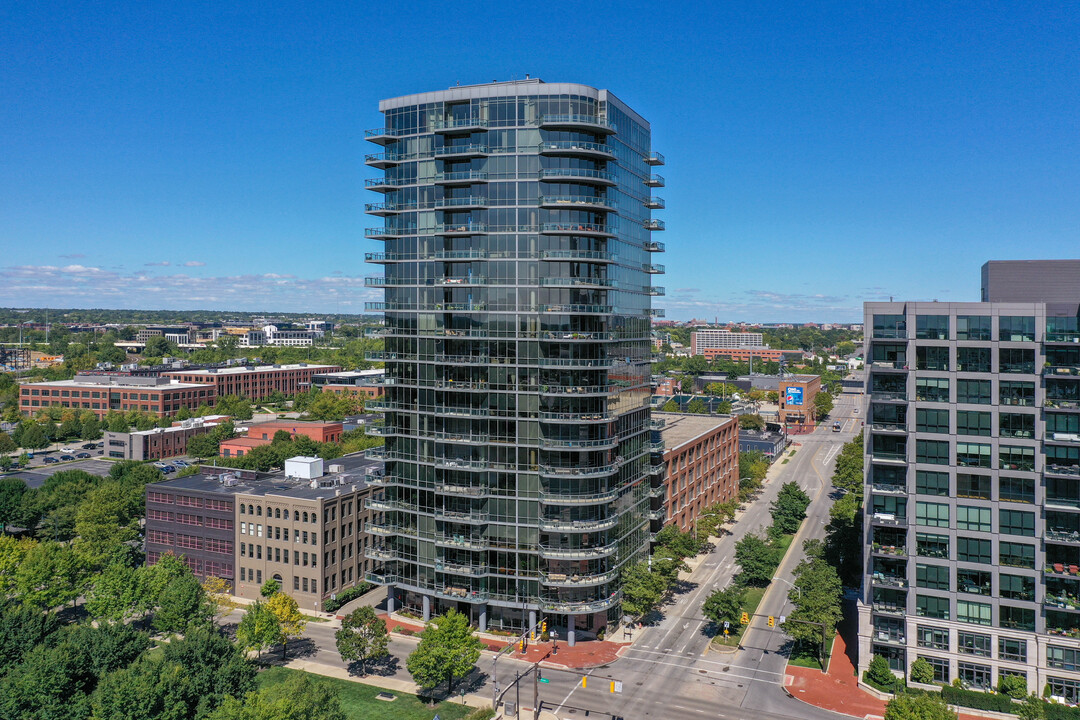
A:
<point x="255" y="381"/>
<point x="102" y="393"/>
<point x="973" y="482"/>
<point x="716" y="339"/>
<point x="701" y="463"/>
<point x="518" y="258"/>
<point x="248" y="527"/>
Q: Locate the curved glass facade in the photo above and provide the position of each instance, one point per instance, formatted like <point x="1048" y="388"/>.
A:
<point x="517" y="265"/>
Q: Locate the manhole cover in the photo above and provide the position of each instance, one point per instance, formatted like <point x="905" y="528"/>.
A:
<point x="637" y="683"/>
<point x="703" y="672"/>
<point x="726" y="668"/>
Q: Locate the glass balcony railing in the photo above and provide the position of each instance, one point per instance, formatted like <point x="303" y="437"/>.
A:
<point x="882" y="579"/>
<point x="459" y="568"/>
<point x="579" y="526"/>
<point x="575" y="147"/>
<point x="549" y="498"/>
<point x="583" y="282"/>
<point x="1064" y="470"/>
<point x="1062" y="370"/>
<point x="654" y="246"/>
<point x="468" y="542"/>
<point x="1062" y="536"/>
<point x="655" y="181"/>
<point x="458" y="124"/>
<point x="590" y="121"/>
<point x="589" y="606"/>
<point x="654" y="225"/>
<point x="576" y="202"/>
<point x="885" y="549"/>
<point x="577" y="579"/>
<point x="655" y="291"/>
<point x="654" y="269"/>
<point x="460" y="229"/>
<point x="891" y="395"/>
<point x="655" y="203"/>
<point x="577" y="472"/>
<point x="470" y="150"/>
<point x="578" y="256"/>
<point x="592" y="309"/>
<point x="579" y="174"/>
<point x="567" y="553"/>
<point x="1063" y="336"/>
<point x="654" y="159"/>
<point x="577" y="229"/>
<point x="463" y="177"/>
<point x="890" y="488"/>
<point x="563" y="444"/>
<point x="888" y="456"/>
<point x="472" y="201"/>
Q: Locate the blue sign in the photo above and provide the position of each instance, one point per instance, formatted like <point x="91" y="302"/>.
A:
<point x="793" y="395"/>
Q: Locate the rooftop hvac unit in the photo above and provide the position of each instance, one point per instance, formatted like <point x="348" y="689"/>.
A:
<point x="336" y="468"/>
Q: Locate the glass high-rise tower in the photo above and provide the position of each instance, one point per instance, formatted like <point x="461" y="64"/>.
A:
<point x="518" y="260"/>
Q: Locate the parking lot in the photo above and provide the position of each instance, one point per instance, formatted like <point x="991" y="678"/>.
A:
<point x="35" y="477"/>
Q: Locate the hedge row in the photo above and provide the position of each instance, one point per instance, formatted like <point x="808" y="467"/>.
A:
<point x="1061" y="712"/>
<point x="978" y="699"/>
<point x="335" y="603"/>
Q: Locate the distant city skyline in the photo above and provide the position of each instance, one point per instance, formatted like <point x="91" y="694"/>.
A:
<point x="817" y="156"/>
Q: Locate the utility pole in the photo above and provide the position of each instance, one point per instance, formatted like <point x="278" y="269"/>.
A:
<point x="517" y="694"/>
<point x="536" y="690"/>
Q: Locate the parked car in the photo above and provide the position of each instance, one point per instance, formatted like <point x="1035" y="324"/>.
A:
<point x="89" y="446"/>
<point x="180" y="464"/>
<point x="50" y="460"/>
<point x="82" y="455"/>
<point x="65" y="458"/>
<point x="67" y="450"/>
<point x="168" y="469"/>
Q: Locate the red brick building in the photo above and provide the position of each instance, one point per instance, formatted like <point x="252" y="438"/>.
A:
<point x="743" y="355"/>
<point x="797" y="394"/>
<point x="701" y="463"/>
<point x="255" y="381"/>
<point x="102" y="393"/>
<point x="263" y="434"/>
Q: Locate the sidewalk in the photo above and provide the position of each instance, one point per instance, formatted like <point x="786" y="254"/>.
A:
<point x="838" y="690"/>
<point x="584" y="655"/>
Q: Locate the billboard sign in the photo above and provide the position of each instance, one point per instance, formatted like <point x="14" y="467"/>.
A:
<point x="793" y="396"/>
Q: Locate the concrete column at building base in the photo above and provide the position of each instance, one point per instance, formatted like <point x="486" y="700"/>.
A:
<point x="391" y="604"/>
<point x="427" y="608"/>
<point x="532" y="620"/>
<point x="483" y="618"/>
<point x="571" y="638"/>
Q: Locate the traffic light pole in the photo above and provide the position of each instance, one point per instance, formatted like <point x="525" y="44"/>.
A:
<point x="509" y="647"/>
<point x="746" y="621"/>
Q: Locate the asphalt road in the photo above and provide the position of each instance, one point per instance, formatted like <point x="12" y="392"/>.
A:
<point x="669" y="671"/>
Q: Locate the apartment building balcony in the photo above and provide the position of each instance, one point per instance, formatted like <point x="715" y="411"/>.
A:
<point x="653" y="269"/>
<point x="472" y="150"/>
<point x="889" y="489"/>
<point x="579" y="363"/>
<point x="1065" y="371"/>
<point x="655" y="203"/>
<point x="886" y="580"/>
<point x="577" y="579"/>
<point x="1067" y="537"/>
<point x="656" y="291"/>
<point x="475" y="517"/>
<point x="657" y="514"/>
<point x="576" y="389"/>
<point x="586" y="553"/>
<point x="579" y="175"/>
<point x="654" y="181"/>
<point x="654" y="246"/>
<point x="385" y="184"/>
<point x="381" y="554"/>
<point x="591" y="606"/>
<point x="886" y="427"/>
<point x="578" y="282"/>
<point x="474" y="491"/>
<point x="383" y="233"/>
<point x="482" y="438"/>
<point x="461" y="229"/>
<point x="576" y="202"/>
<point x="1061" y="470"/>
<point x="548" y="471"/>
<point x="653" y="224"/>
<point x="655" y="312"/>
<point x="578" y="229"/>
<point x="889" y="395"/>
<point x="1058" y="403"/>
<point x="890" y="457"/>
<point x="891" y="365"/>
<point x="1058" y="337"/>
<point x="1068" y="603"/>
<point x="467" y="542"/>
<point x="578" y="526"/>
<point x="598" y="498"/>
<point x="887" y="608"/>
<point x="382" y="136"/>
<point x="588" y="123"/>
<point x="460" y="177"/>
<point x="386" y="209"/>
<point x="654" y="159"/>
<point x="472" y="202"/>
<point x="380" y="578"/>
<point x="589" y="256"/>
<point x="576" y="148"/>
<point x="888" y="550"/>
<point x="458" y="125"/>
<point x="459" y="568"/>
<point x="888" y="520"/>
<point x="576" y="418"/>
<point x="460" y="594"/>
<point x="385" y="160"/>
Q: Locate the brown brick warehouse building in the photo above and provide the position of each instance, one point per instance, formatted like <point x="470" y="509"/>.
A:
<point x="255" y="381"/>
<point x="102" y="393"/>
<point x="701" y="463"/>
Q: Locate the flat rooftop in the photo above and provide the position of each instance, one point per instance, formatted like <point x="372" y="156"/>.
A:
<point x="350" y="374"/>
<point x="276" y="484"/>
<point x="116" y="381"/>
<point x="681" y="428"/>
<point x="236" y="370"/>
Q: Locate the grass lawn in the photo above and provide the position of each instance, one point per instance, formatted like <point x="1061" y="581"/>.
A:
<point x="751" y="599"/>
<point x="807" y="657"/>
<point x="359" y="703"/>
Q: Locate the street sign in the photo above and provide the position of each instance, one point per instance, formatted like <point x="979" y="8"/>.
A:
<point x="726" y="624"/>
<point x="546" y="680"/>
<point x="616" y="686"/>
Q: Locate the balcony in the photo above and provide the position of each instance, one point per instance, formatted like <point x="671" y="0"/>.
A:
<point x="468" y="542"/>
<point x="583" y="175"/>
<point x="653" y="269"/>
<point x="883" y="580"/>
<point x="654" y="181"/>
<point x="1070" y="537"/>
<point x="1022" y="368"/>
<point x="655" y="312"/>
<point x="589" y="123"/>
<point x="578" y="526"/>
<point x="459" y="569"/>
<point x="577" y="309"/>
<point x="655" y="203"/>
<point x="461" y="151"/>
<point x="888" y="520"/>
<point x="466" y="518"/>
<point x="890" y="489"/>
<point x="576" y="148"/>
<point x="590" y="606"/>
<point x="380" y="579"/>
<point x="889" y="608"/>
<point x="585" y="229"/>
<point x="576" y="389"/>
<point x="386" y="209"/>
<point x="561" y="444"/>
<point x="576" y="579"/>
<point x="586" y="363"/>
<point x="548" y="498"/>
<point x="890" y="550"/>
<point x="461" y="229"/>
<point x="459" y="203"/>
<point x="461" y="594"/>
<point x="1067" y="438"/>
<point x="380" y="554"/>
<point x="1062" y="470"/>
<point x="1061" y="602"/>
<point x="461" y="177"/>
<point x="566" y="553"/>
<point x="383" y="184"/>
<point x="458" y="125"/>
<point x="464" y="490"/>
<point x="575" y="418"/>
<point x="901" y="365"/>
<point x="655" y="291"/>
<point x="1061" y="370"/>
<point x="577" y="472"/>
<point x="590" y="256"/>
<point x="459" y="437"/>
<point x="654" y="159"/>
<point x="382" y="136"/>
<point x="471" y="280"/>
<point x="577" y="282"/>
<point x="384" y="160"/>
<point x="888" y="427"/>
<point x="654" y="225"/>
<point x="576" y="202"/>
<point x="1062" y="403"/>
<point x="1063" y="336"/>
<point x="889" y="395"/>
<point x="888" y="456"/>
<point x="654" y="246"/>
<point x="383" y="233"/>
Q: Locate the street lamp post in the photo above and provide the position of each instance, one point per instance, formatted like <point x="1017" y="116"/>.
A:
<point x="554" y="643"/>
<point x="793" y="585"/>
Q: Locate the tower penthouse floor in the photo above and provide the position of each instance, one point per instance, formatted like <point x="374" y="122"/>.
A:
<point x="517" y="272"/>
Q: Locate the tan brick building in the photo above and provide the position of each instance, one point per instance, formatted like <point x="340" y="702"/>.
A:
<point x="701" y="463"/>
<point x="255" y="381"/>
<point x="102" y="393"/>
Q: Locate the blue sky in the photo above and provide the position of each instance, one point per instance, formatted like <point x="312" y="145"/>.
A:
<point x="209" y="155"/>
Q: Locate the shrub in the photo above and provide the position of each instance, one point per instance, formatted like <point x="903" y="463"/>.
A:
<point x="484" y="713"/>
<point x="977" y="699"/>
<point x="1054" y="711"/>
<point x="1014" y="686"/>
<point x="922" y="671"/>
<point x="880" y="673"/>
<point x="334" y="604"/>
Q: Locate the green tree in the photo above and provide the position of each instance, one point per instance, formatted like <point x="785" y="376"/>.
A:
<point x="270" y="588"/>
<point x="750" y="421"/>
<point x="105" y="520"/>
<point x="22" y="627"/>
<point x="817" y="597"/>
<point x="448" y="649"/>
<point x="723" y="407"/>
<point x="11" y="495"/>
<point x="202" y="446"/>
<point x="33" y="438"/>
<point x="70" y="429"/>
<point x="757" y="559"/>
<point x="697" y="406"/>
<point x="843" y="539"/>
<point x="1033" y="708"/>
<point x="845" y="348"/>
<point x="291" y="620"/>
<point x="118" y="423"/>
<point x="157" y="346"/>
<point x="642" y="590"/>
<point x="922" y="671"/>
<point x="724" y="605"/>
<point x="789" y="508"/>
<point x="1014" y="686"/>
<point x="879" y="672"/>
<point x="918" y="707"/>
<point x="848" y="473"/>
<point x="7" y="445"/>
<point x="118" y="593"/>
<point x="259" y="629"/>
<point x="182" y="604"/>
<point x="362" y="637"/>
<point x="50" y="575"/>
<point x="299" y="697"/>
<point x="670" y="406"/>
<point x="91" y="429"/>
<point x="823" y="404"/>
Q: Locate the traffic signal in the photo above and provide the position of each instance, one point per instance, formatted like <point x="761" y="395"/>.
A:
<point x="584" y="679"/>
<point x="772" y="621"/>
<point x="543" y="626"/>
<point x="521" y="646"/>
<point x="745" y="618"/>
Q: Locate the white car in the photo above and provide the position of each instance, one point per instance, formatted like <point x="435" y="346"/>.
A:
<point x="67" y="450"/>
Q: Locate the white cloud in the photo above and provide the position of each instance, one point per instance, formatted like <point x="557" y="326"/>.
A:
<point x="194" y="263"/>
<point x="163" y="263"/>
